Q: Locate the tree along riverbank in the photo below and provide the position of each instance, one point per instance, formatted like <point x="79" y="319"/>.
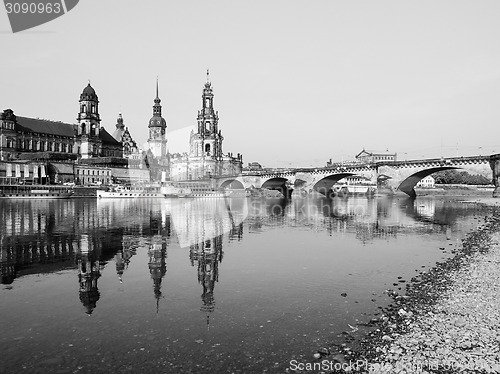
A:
<point x="448" y="321"/>
<point x="456" y="190"/>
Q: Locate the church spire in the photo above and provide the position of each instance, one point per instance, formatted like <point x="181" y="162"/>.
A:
<point x="157" y="105"/>
<point x="157" y="87"/>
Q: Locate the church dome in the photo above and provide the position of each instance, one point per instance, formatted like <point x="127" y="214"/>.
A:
<point x="88" y="93"/>
<point x="157" y="121"/>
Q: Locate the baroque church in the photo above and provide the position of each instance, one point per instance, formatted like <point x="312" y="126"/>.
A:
<point x="205" y="158"/>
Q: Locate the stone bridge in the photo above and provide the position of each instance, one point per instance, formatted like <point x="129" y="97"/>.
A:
<point x="390" y="177"/>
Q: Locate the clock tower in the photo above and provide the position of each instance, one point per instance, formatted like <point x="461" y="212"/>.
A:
<point x="157" y="140"/>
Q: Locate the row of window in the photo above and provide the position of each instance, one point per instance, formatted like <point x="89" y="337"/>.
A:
<point x="378" y="158"/>
<point x="94" y="172"/>
<point x="37" y="145"/>
<point x="8" y="125"/>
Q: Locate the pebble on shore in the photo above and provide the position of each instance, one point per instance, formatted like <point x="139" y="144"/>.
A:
<point x="449" y="321"/>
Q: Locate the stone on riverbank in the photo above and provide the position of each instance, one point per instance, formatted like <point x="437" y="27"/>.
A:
<point x="461" y="332"/>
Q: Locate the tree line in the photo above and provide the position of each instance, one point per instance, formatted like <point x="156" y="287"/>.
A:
<point x="459" y="177"/>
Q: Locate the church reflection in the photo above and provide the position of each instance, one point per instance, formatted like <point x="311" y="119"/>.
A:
<point x="206" y="256"/>
<point x="157" y="251"/>
<point x="202" y="225"/>
<point x="86" y="235"/>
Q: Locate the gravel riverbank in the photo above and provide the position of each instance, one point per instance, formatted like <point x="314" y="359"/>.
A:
<point x="448" y="321"/>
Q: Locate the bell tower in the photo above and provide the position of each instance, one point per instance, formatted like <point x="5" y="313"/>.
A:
<point x="89" y="123"/>
<point x="207" y="141"/>
<point x="157" y="140"/>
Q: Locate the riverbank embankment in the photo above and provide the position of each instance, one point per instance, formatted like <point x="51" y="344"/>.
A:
<point x="448" y="321"/>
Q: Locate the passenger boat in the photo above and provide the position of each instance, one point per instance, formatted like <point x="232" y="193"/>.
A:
<point x="353" y="189"/>
<point x="237" y="193"/>
<point x="23" y="191"/>
<point x="203" y="189"/>
<point x="171" y="191"/>
<point x="131" y="192"/>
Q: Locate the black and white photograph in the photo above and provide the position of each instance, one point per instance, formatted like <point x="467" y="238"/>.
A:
<point x="249" y="187"/>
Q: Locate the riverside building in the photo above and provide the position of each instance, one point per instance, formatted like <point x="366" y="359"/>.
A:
<point x="34" y="150"/>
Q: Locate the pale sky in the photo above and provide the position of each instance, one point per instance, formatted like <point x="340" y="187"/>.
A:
<point x="295" y="82"/>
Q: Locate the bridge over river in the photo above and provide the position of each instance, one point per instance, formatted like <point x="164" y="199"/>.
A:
<point x="390" y="177"/>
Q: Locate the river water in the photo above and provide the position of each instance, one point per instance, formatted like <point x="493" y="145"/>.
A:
<point x="206" y="285"/>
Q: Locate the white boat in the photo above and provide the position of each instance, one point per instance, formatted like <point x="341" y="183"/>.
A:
<point x="129" y="192"/>
<point x="194" y="189"/>
<point x="353" y="189"/>
<point x="22" y="191"/>
<point x="171" y="191"/>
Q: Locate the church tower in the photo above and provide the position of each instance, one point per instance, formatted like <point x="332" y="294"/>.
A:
<point x="207" y="141"/>
<point x="89" y="123"/>
<point x="157" y="141"/>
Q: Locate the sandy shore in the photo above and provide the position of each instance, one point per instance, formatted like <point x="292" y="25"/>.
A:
<point x="448" y="321"/>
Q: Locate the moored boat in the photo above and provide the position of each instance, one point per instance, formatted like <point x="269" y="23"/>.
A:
<point x="131" y="192"/>
<point x="22" y="191"/>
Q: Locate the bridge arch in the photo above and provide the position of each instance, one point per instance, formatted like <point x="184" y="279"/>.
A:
<point x="233" y="184"/>
<point x="279" y="184"/>
<point x="324" y="185"/>
<point x="407" y="185"/>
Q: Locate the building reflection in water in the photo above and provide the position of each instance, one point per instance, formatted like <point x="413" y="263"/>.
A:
<point x="206" y="256"/>
<point x="123" y="257"/>
<point x="157" y="251"/>
<point x="28" y="241"/>
<point x="84" y="235"/>
<point x="201" y="225"/>
<point x="89" y="271"/>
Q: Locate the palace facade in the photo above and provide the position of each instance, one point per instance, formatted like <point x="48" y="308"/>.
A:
<point x="85" y="153"/>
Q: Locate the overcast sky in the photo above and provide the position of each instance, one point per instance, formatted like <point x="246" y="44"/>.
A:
<point x="295" y="82"/>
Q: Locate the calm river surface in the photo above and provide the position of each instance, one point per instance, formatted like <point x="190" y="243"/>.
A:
<point x="205" y="285"/>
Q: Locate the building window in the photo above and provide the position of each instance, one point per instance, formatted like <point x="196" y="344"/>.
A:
<point x="9" y="143"/>
<point x="63" y="147"/>
<point x="56" y="147"/>
<point x="207" y="149"/>
<point x="42" y="146"/>
<point x="70" y="148"/>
